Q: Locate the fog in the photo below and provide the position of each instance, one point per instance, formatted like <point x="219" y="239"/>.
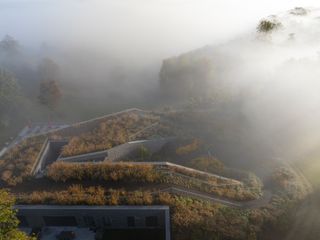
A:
<point x="110" y="54"/>
<point x="275" y="77"/>
<point x="136" y="32"/>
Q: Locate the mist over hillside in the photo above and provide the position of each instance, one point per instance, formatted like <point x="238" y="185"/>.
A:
<point x="271" y="74"/>
<point x="266" y="76"/>
<point x="229" y="84"/>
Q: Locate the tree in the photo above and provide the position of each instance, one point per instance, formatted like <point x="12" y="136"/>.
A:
<point x="8" y="221"/>
<point x="9" y="91"/>
<point x="50" y="92"/>
<point x="9" y="46"/>
<point x="186" y="76"/>
<point x="267" y="26"/>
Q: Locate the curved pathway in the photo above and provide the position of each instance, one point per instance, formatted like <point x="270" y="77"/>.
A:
<point x="263" y="201"/>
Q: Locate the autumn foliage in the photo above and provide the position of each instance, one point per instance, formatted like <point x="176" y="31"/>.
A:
<point x="104" y="134"/>
<point x="126" y="172"/>
<point x="17" y="163"/>
<point x="188" y="148"/>
<point x="61" y="171"/>
<point x="190" y="218"/>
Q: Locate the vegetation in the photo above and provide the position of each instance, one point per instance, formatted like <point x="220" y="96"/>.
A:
<point x="8" y="45"/>
<point x="144" y="153"/>
<point x="8" y="96"/>
<point x="8" y="221"/>
<point x="193" y="219"/>
<point x="287" y="181"/>
<point x="180" y="150"/>
<point x="61" y="171"/>
<point x="188" y="148"/>
<point x="104" y="134"/>
<point x="125" y="172"/>
<point x="17" y="163"/>
<point x="185" y="76"/>
<point x="207" y="163"/>
<point x="299" y="11"/>
<point x="266" y="26"/>
<point x="50" y="92"/>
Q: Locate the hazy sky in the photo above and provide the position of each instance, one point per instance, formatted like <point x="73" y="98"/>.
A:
<point x="129" y="28"/>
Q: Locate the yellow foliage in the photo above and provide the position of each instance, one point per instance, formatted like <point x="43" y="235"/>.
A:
<point x="189" y="148"/>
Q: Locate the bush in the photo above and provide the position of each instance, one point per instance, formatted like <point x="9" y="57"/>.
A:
<point x="299" y="11"/>
<point x="126" y="172"/>
<point x="74" y="195"/>
<point x="61" y="171"/>
<point x="207" y="163"/>
<point x="144" y="153"/>
<point x="189" y="148"/>
<point x="103" y="134"/>
<point x="191" y="219"/>
<point x="266" y="26"/>
<point x="17" y="163"/>
<point x="8" y="221"/>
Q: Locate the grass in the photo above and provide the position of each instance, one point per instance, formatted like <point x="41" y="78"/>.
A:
<point x="17" y="163"/>
<point x="128" y="173"/>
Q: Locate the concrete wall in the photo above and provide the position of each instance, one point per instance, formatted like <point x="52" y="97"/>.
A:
<point x="42" y="156"/>
<point x="120" y="152"/>
<point x="48" y="154"/>
<point x="89" y="157"/>
<point x="131" y="149"/>
<point x="52" y="149"/>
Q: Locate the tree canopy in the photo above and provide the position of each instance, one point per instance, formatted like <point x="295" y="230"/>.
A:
<point x="8" y="45"/>
<point x="9" y="91"/>
<point x="50" y="92"/>
<point x="8" y="220"/>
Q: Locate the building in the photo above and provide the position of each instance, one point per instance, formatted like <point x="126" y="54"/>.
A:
<point x="112" y="222"/>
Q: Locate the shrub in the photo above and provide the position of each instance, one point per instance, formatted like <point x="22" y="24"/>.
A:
<point x="189" y="148"/>
<point x="17" y="163"/>
<point x="299" y="11"/>
<point x="74" y="195"/>
<point x="144" y="153"/>
<point x="103" y="134"/>
<point x="8" y="221"/>
<point x="61" y="171"/>
<point x="207" y="163"/>
<point x="126" y="172"/>
<point x="266" y="26"/>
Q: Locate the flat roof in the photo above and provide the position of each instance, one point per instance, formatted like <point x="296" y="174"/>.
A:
<point x="98" y="207"/>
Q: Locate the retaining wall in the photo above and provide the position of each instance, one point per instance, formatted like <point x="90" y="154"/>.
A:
<point x="131" y="149"/>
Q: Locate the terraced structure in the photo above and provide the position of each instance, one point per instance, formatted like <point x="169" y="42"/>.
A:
<point x="138" y="157"/>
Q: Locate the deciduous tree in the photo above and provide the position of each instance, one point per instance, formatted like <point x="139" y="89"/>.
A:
<point x="50" y="92"/>
<point x="8" y="221"/>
